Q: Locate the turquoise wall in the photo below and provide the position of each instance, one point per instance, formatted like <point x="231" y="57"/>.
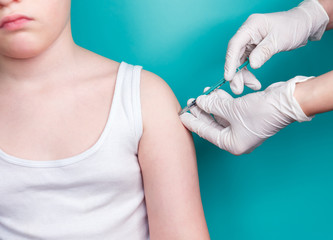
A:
<point x="284" y="189"/>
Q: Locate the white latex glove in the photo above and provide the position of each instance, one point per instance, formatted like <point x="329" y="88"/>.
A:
<point x="263" y="35"/>
<point x="243" y="123"/>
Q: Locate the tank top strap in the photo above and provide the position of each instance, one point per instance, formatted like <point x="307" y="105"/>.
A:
<point x="127" y="96"/>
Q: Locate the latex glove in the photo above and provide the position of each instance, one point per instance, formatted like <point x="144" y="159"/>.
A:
<point x="263" y="35"/>
<point x="243" y="123"/>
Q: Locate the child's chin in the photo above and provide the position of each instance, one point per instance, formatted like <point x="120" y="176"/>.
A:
<point x="23" y="50"/>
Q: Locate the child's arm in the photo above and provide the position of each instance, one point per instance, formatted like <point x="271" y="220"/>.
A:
<point x="169" y="168"/>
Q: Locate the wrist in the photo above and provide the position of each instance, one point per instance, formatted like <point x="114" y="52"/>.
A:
<point x="318" y="17"/>
<point x="297" y="106"/>
<point x="315" y="96"/>
<point x="282" y="97"/>
<point x="328" y="6"/>
<point x="304" y="94"/>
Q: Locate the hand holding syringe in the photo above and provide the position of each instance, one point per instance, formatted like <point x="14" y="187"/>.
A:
<point x="211" y="89"/>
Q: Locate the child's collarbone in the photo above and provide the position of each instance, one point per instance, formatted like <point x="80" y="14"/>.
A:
<point x="55" y="125"/>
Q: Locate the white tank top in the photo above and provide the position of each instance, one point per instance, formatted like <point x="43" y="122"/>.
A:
<point x="97" y="194"/>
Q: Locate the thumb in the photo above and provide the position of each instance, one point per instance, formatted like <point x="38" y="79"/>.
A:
<point x="262" y="53"/>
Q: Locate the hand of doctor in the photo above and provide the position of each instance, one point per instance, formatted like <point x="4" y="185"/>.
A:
<point x="263" y="35"/>
<point x="243" y="123"/>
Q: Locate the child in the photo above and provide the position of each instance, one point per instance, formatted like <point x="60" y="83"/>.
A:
<point x="90" y="148"/>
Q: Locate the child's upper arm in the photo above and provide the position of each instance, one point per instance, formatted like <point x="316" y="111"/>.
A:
<point x="168" y="163"/>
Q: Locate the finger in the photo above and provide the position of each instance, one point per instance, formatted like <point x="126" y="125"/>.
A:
<point x="222" y="121"/>
<point x="208" y="132"/>
<point x="187" y="119"/>
<point x="197" y="125"/>
<point x="262" y="53"/>
<point x="203" y="116"/>
<point x="237" y="84"/>
<point x="235" y="51"/>
<point x="217" y="103"/>
<point x="251" y="34"/>
<point x="250" y="80"/>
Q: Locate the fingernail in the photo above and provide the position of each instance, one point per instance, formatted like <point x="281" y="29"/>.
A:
<point x="255" y="62"/>
<point x="190" y="101"/>
<point x="206" y="89"/>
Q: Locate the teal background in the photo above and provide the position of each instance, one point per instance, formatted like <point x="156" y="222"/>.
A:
<point x="284" y="189"/>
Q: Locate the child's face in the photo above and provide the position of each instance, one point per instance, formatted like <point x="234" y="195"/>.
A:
<point x="49" y="19"/>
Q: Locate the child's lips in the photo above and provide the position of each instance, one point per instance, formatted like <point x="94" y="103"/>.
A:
<point x="14" y="22"/>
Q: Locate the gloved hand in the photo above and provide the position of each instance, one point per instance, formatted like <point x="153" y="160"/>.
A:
<point x="263" y="35"/>
<point x="243" y="123"/>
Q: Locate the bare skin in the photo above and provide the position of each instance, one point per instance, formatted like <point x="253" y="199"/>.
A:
<point x="328" y="5"/>
<point x="169" y="168"/>
<point x="315" y="95"/>
<point x="55" y="99"/>
<point x="57" y="120"/>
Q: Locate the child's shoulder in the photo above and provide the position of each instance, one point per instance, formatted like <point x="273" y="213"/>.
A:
<point x="154" y="90"/>
<point x="158" y="101"/>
